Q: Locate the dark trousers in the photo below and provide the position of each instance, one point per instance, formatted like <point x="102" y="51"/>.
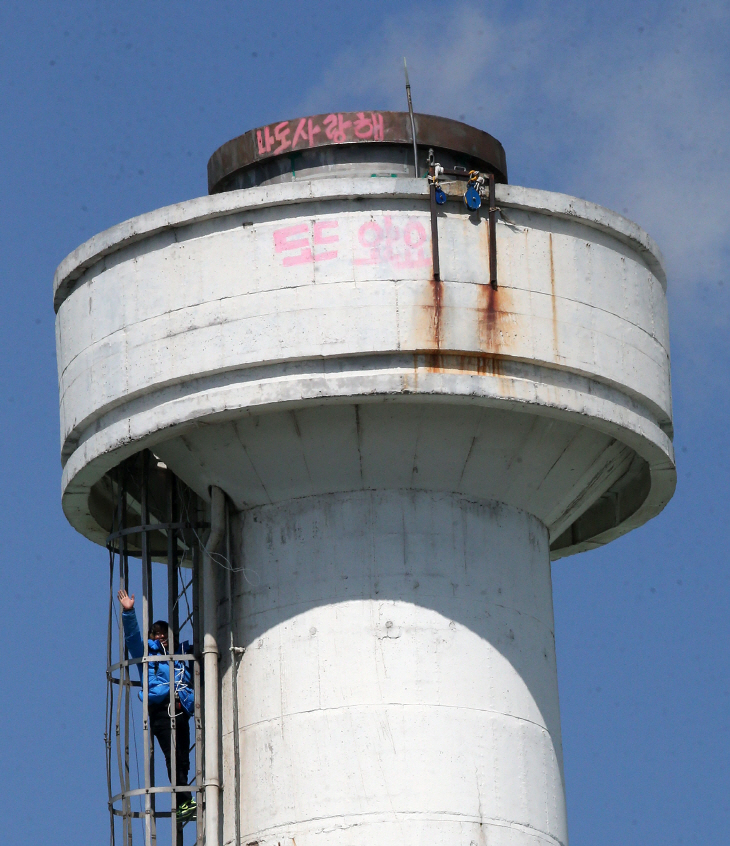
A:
<point x="160" y="726"/>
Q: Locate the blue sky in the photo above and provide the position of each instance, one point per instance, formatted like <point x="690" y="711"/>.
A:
<point x="110" y="110"/>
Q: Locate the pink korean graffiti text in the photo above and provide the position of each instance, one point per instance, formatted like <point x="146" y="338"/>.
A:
<point x="302" y="133"/>
<point x="304" y="249"/>
<point x="402" y="246"/>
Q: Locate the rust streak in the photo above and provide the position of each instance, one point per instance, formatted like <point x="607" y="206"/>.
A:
<point x="493" y="310"/>
<point x="492" y="319"/>
<point x="437" y="288"/>
<point x="479" y="364"/>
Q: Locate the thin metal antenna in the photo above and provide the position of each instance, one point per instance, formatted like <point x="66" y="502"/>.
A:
<point x="413" y="123"/>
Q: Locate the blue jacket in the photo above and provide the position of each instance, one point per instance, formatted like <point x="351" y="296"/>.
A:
<point x="158" y="672"/>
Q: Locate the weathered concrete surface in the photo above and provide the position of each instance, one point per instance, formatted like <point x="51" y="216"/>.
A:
<point x="299" y="295"/>
<point x="399" y="450"/>
<point x="398" y="684"/>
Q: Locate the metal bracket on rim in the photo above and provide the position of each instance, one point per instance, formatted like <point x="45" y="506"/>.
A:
<point x="435" y="170"/>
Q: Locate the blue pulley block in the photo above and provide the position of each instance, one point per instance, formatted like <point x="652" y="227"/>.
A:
<point x="472" y="200"/>
<point x="440" y="195"/>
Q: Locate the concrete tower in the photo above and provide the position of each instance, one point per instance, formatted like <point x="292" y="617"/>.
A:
<point x="403" y="453"/>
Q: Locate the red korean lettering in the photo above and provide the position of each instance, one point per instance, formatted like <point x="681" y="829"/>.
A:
<point x="266" y="142"/>
<point x="285" y="241"/>
<point x="306" y="130"/>
<point x="392" y="233"/>
<point x="415" y="238"/>
<point x="336" y="126"/>
<point x="377" y="126"/>
<point x="370" y="236"/>
<point x="363" y="126"/>
<point x="369" y="127"/>
<point x="331" y="123"/>
<point x="313" y="130"/>
<point x="281" y="133"/>
<point x="282" y="244"/>
<point x="402" y="245"/>
<point x="300" y="132"/>
<point x="320" y="238"/>
<point x="414" y="234"/>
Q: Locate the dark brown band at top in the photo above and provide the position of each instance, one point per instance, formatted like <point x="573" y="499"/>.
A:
<point x="347" y="128"/>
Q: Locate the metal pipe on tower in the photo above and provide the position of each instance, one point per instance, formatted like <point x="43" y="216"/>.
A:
<point x="210" y="667"/>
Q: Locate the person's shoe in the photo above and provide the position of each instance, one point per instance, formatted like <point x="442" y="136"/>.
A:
<point x="186" y="810"/>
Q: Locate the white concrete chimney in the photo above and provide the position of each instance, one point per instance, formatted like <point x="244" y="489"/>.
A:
<point x="403" y="453"/>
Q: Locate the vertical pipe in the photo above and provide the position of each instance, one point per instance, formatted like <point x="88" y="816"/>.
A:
<point x="121" y="651"/>
<point x="492" y="234"/>
<point x="235" y="652"/>
<point x="144" y="517"/>
<point x="125" y="676"/>
<point x="118" y="723"/>
<point x="110" y="683"/>
<point x="122" y="655"/>
<point x="175" y="579"/>
<point x="210" y="669"/>
<point x="110" y="693"/>
<point x="151" y="617"/>
<point x="434" y="234"/>
<point x="413" y="122"/>
<point x="196" y="684"/>
<point x="172" y="639"/>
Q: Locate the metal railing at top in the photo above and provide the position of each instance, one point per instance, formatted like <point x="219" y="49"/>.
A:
<point x="157" y="520"/>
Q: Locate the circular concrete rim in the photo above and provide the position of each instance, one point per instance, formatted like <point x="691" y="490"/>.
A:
<point x="88" y="464"/>
<point x="243" y="152"/>
<point x="122" y="235"/>
<point x="92" y="459"/>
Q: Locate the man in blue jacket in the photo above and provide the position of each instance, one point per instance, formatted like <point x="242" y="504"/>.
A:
<point x="158" y="675"/>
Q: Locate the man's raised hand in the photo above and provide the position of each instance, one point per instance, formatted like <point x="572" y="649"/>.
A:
<point x="126" y="600"/>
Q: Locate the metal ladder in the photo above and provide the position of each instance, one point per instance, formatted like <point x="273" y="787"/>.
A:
<point x="156" y="519"/>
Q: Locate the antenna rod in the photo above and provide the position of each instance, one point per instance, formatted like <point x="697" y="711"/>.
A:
<point x="413" y="123"/>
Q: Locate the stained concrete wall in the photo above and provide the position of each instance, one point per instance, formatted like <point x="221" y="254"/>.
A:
<point x="303" y="294"/>
<point x="399" y="450"/>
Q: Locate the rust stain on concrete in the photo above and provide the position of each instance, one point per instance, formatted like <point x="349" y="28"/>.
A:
<point x="467" y="363"/>
<point x="494" y="319"/>
<point x="495" y="329"/>
<point x="429" y="316"/>
<point x="437" y="291"/>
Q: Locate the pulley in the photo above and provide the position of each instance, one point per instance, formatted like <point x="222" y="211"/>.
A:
<point x="472" y="200"/>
